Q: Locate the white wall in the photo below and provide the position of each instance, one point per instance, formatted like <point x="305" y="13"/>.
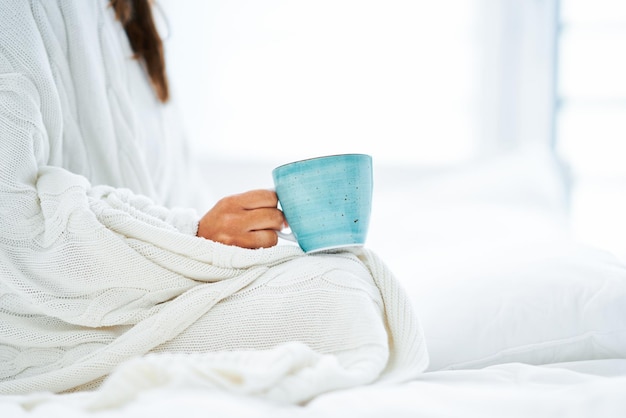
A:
<point x="285" y="79"/>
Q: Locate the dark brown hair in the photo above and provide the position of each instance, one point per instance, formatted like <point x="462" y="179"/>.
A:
<point x="136" y="18"/>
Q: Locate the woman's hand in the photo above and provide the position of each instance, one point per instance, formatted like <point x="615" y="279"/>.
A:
<point x="248" y="220"/>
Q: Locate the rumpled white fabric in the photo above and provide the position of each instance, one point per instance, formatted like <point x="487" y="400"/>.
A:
<point x="101" y="272"/>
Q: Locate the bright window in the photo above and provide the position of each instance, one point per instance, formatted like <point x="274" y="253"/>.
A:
<point x="591" y="116"/>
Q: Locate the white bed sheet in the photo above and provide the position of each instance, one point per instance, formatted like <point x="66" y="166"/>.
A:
<point x="581" y="389"/>
<point x="520" y="320"/>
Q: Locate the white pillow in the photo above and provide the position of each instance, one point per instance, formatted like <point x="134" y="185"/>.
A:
<point x="540" y="304"/>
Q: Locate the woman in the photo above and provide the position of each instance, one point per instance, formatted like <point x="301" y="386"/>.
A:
<point x="101" y="262"/>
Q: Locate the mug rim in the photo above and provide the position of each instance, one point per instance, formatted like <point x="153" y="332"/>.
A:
<point x="322" y="157"/>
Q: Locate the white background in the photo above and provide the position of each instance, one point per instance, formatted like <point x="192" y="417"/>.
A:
<point x="423" y="83"/>
<point x="287" y="79"/>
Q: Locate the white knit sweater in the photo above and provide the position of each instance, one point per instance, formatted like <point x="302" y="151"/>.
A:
<point x="98" y="267"/>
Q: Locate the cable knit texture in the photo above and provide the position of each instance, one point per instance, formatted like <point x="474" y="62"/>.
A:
<point x="99" y="263"/>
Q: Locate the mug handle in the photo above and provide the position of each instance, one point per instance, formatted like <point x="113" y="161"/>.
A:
<point x="284" y="235"/>
<point x="287" y="235"/>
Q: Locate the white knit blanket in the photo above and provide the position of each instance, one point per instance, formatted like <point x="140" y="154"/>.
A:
<point x="97" y="280"/>
<point x="307" y="324"/>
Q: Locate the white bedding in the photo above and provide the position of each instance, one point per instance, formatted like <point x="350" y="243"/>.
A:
<point x="519" y="320"/>
<point x="582" y="389"/>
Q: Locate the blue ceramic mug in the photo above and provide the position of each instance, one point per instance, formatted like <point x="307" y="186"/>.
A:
<point x="326" y="200"/>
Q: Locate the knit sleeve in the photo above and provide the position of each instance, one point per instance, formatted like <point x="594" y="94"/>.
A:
<point x="69" y="249"/>
<point x="54" y="241"/>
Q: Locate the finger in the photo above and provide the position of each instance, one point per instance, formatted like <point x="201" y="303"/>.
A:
<point x="259" y="239"/>
<point x="255" y="199"/>
<point x="265" y="218"/>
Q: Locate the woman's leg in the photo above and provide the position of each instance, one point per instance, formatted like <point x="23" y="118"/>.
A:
<point x="328" y="302"/>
